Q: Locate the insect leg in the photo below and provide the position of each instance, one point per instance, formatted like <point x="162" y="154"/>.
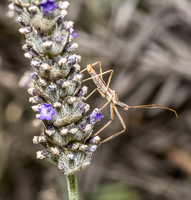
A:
<point x="85" y="98"/>
<point x="104" y="105"/>
<point x="109" y="80"/>
<point x="120" y="132"/>
<point x="151" y="106"/>
<point x="100" y="67"/>
<point x="111" y="119"/>
<point x="109" y="71"/>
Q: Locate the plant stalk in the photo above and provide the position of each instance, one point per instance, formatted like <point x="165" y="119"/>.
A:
<point x="72" y="187"/>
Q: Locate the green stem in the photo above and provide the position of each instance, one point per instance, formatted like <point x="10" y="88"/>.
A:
<point x="72" y="187"/>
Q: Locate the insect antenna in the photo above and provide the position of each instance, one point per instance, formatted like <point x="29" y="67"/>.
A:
<point x="151" y="106"/>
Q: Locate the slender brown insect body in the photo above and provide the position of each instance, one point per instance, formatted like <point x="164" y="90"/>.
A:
<point x="101" y="85"/>
<point x="109" y="94"/>
<point x="122" y="105"/>
<point x="112" y="98"/>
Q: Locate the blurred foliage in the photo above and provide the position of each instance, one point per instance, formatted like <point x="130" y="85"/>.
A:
<point x="113" y="192"/>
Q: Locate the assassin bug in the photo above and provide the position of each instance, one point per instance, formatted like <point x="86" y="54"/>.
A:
<point x="112" y="98"/>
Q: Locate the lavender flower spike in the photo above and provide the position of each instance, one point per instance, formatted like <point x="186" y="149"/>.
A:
<point x="57" y="83"/>
<point x="46" y="112"/>
<point x="95" y="116"/>
<point x="47" y="6"/>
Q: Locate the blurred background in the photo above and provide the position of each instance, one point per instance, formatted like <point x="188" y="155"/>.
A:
<point x="148" y="45"/>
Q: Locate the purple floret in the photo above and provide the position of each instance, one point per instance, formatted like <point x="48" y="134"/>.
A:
<point x="60" y="82"/>
<point x="52" y="87"/>
<point x="95" y="116"/>
<point x="47" y="6"/>
<point x="70" y="156"/>
<point x="81" y="105"/>
<point x="69" y="146"/>
<point x="92" y="148"/>
<point x="33" y="75"/>
<point x="46" y="153"/>
<point x="50" y="127"/>
<point x="46" y="112"/>
<point x="82" y="126"/>
<point x="80" y="93"/>
<point x="38" y="99"/>
<point x="90" y="140"/>
<point x="72" y="59"/>
<point x="74" y="35"/>
<point x="61" y="165"/>
<point x="58" y="39"/>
